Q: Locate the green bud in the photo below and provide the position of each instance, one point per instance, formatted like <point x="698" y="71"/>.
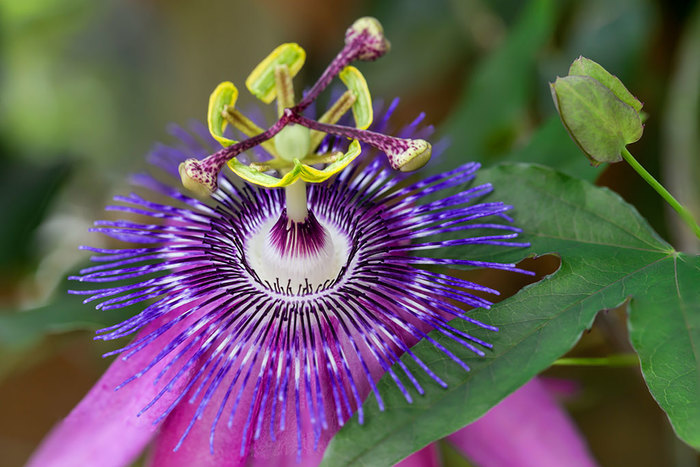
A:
<point x="599" y="113"/>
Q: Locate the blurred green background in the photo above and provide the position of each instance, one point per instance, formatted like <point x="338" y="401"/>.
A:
<point x="87" y="87"/>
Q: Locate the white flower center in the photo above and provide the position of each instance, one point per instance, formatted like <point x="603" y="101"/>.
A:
<point x="299" y="268"/>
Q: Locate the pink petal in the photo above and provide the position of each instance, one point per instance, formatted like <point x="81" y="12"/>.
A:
<point x="103" y="429"/>
<point x="426" y="457"/>
<point x="527" y="428"/>
<point x="562" y="389"/>
<point x="264" y="451"/>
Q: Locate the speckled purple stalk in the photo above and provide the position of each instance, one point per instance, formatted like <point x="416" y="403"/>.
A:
<point x="385" y="143"/>
<point x="358" y="45"/>
<point x="212" y="165"/>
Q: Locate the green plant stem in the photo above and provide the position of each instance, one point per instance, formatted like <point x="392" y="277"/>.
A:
<point x="623" y="360"/>
<point x="680" y="209"/>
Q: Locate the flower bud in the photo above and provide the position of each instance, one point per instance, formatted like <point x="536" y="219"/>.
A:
<point x="599" y="113"/>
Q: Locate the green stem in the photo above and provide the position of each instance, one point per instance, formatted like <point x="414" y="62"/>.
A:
<point x="680" y="209"/>
<point x="297" y="209"/>
<point x="623" y="360"/>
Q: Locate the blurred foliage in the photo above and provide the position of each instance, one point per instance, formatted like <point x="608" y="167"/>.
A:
<point x="486" y="120"/>
<point x="22" y="332"/>
<point x="86" y="87"/>
<point x="26" y="192"/>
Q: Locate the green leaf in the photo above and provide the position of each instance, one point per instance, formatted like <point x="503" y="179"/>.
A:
<point x="583" y="66"/>
<point x="26" y="192"/>
<point x="608" y="254"/>
<point x="489" y="114"/>
<point x="600" y="123"/>
<point x="664" y="326"/>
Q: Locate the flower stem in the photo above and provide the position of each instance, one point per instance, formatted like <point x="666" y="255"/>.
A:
<point x="295" y="194"/>
<point x="680" y="209"/>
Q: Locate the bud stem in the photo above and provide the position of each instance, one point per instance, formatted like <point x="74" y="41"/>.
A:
<point x="618" y="360"/>
<point x="680" y="209"/>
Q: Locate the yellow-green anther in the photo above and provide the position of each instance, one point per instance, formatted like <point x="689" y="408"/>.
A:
<point x="284" y="88"/>
<point x="327" y="158"/>
<point x="412" y="155"/>
<point x="257" y="177"/>
<point x="332" y="115"/>
<point x="261" y="81"/>
<point x="362" y="107"/>
<point x="298" y="171"/>
<point x="272" y="164"/>
<point x="260" y="166"/>
<point x="312" y="175"/>
<point x="248" y="128"/>
<point x="293" y="142"/>
<point x="223" y="97"/>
